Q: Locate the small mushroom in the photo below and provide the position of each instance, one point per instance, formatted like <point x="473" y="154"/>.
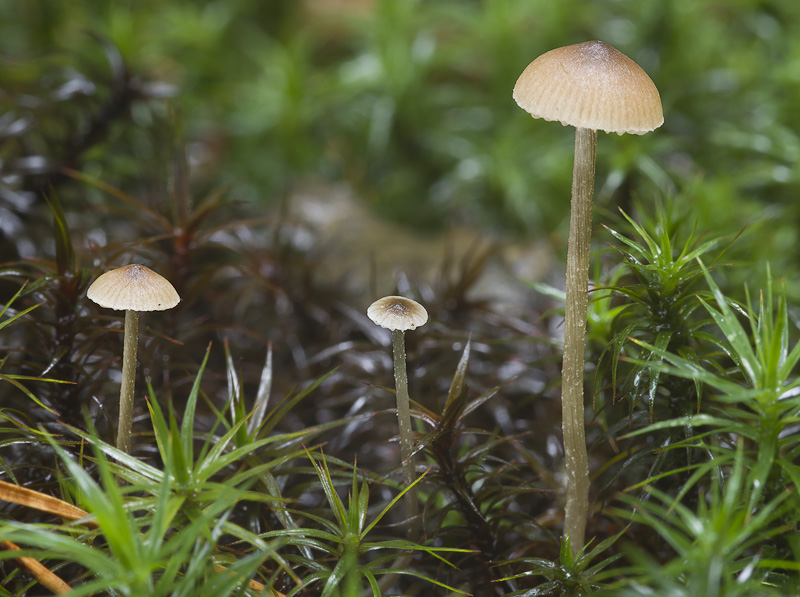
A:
<point x="591" y="86"/>
<point x="398" y="314"/>
<point x="131" y="288"/>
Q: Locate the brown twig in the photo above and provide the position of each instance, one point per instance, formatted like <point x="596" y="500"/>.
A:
<point x="39" y="571"/>
<point x="43" y="502"/>
<point x="52" y="505"/>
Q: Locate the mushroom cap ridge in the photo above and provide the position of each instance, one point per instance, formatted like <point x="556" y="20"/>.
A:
<point x="133" y="288"/>
<point x="397" y="313"/>
<point x="590" y="85"/>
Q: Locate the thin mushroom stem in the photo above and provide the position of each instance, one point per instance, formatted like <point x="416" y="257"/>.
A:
<point x="577" y="296"/>
<point x="406" y="432"/>
<point x="126" y="390"/>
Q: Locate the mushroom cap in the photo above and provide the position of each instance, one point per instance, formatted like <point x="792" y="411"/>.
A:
<point x="397" y="313"/>
<point x="133" y="288"/>
<point x="590" y="85"/>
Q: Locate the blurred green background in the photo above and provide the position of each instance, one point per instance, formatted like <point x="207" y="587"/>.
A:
<point x="408" y="103"/>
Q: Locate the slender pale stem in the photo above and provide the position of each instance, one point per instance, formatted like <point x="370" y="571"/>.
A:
<point x="572" y="405"/>
<point x="406" y="432"/>
<point x="128" y="380"/>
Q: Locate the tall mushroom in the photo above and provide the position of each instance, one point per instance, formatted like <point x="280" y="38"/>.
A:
<point x="398" y="314"/>
<point x="131" y="288"/>
<point x="591" y="86"/>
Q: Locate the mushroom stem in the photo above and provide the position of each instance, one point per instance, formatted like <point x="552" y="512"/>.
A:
<point x="128" y="380"/>
<point x="404" y="423"/>
<point x="572" y="406"/>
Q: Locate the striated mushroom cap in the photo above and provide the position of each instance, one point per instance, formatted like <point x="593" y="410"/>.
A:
<point x="590" y="85"/>
<point x="397" y="313"/>
<point x="133" y="288"/>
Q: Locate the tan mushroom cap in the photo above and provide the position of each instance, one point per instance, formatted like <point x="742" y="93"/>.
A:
<point x="397" y="313"/>
<point x="590" y="85"/>
<point x="133" y="288"/>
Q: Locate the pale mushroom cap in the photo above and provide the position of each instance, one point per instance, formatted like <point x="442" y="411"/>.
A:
<point x="590" y="85"/>
<point x="397" y="313"/>
<point x="133" y="288"/>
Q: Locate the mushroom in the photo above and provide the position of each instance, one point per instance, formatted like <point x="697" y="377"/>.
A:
<point x="398" y="314"/>
<point x="131" y="288"/>
<point x="591" y="86"/>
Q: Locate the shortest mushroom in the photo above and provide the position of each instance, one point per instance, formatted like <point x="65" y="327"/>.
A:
<point x="131" y="288"/>
<point x="398" y="314"/>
